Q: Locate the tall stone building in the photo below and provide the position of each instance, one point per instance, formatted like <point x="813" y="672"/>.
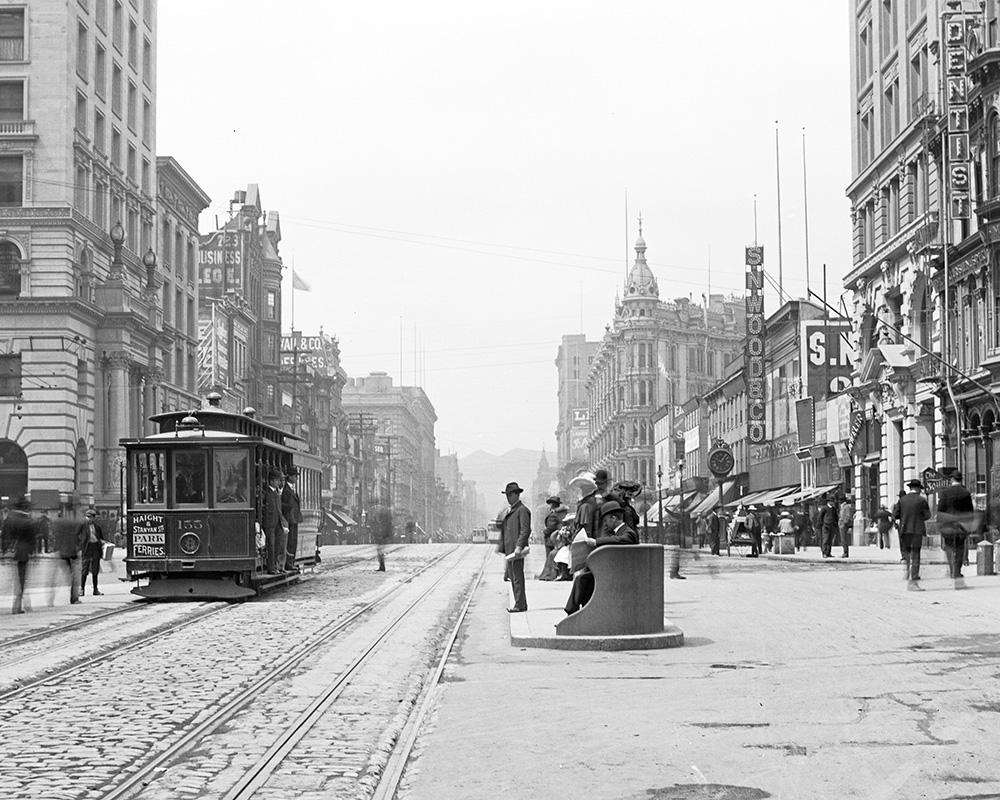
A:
<point x="82" y="341"/>
<point x="925" y="90"/>
<point x="402" y="418"/>
<point x="654" y="353"/>
<point x="573" y="362"/>
<point x="240" y="306"/>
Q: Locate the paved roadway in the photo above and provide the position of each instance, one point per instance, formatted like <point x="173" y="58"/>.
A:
<point x="797" y="681"/>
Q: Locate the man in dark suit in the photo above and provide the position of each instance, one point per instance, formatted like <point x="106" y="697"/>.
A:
<point x="291" y="510"/>
<point x="613" y="530"/>
<point x="20" y="536"/>
<point x="828" y="526"/>
<point x="913" y="515"/>
<point x="515" y="531"/>
<point x="91" y="540"/>
<point x="955" y="517"/>
<point x="272" y="523"/>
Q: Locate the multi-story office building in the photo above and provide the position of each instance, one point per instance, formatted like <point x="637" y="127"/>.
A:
<point x="402" y="418"/>
<point x="925" y="199"/>
<point x="240" y="306"/>
<point x="573" y="362"/>
<point x="81" y="332"/>
<point x="180" y="201"/>
<point x="654" y="353"/>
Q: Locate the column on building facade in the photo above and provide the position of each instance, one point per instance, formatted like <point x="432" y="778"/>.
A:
<point x="117" y="367"/>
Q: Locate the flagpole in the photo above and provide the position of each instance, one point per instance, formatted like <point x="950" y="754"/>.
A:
<point x="292" y="330"/>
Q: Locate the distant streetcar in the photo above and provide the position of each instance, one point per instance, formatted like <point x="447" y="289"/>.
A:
<point x="479" y="536"/>
<point x="493" y="532"/>
<point x="194" y="492"/>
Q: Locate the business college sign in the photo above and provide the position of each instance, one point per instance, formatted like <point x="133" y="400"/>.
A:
<point x="754" y="375"/>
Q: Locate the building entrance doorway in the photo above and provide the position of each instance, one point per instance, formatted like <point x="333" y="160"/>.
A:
<point x="13" y="471"/>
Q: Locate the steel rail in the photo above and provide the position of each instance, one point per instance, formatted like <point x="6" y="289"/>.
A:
<point x="392" y="773"/>
<point x="73" y="666"/>
<point x="19" y="640"/>
<point x="255" y="778"/>
<point x="135" y="783"/>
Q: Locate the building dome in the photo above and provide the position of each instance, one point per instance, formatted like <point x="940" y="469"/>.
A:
<point x="641" y="283"/>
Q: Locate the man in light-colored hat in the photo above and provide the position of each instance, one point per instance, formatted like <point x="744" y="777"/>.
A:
<point x="515" y="530"/>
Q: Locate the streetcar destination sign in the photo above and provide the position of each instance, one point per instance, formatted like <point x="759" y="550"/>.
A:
<point x="149" y="536"/>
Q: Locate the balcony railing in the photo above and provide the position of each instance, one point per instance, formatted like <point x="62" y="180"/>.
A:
<point x="926" y="367"/>
<point x="20" y="127"/>
<point x="924" y="106"/>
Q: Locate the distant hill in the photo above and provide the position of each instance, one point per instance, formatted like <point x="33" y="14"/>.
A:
<point x="491" y="473"/>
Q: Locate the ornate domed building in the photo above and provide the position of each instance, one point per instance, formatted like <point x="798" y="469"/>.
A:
<point x="654" y="353"/>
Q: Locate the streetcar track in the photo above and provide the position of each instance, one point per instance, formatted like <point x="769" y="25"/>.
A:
<point x="134" y="783"/>
<point x="17" y="641"/>
<point x="256" y="777"/>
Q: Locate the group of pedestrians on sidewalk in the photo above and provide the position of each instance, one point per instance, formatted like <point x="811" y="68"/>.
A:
<point x="80" y="548"/>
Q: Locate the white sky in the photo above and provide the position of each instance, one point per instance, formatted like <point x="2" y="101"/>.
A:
<point x="462" y="167"/>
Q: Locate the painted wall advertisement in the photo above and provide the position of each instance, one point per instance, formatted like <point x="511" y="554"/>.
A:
<point x="827" y="357"/>
<point x="220" y="261"/>
<point x="756" y="427"/>
<point x="579" y="432"/>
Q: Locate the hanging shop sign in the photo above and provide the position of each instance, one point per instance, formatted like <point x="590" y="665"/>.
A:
<point x="754" y="374"/>
<point x="827" y="356"/>
<point x="957" y="98"/>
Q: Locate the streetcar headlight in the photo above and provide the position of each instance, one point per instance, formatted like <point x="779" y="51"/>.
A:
<point x="189" y="543"/>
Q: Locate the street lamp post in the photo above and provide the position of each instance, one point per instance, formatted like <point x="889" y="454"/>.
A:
<point x="683" y="517"/>
<point x="659" y="504"/>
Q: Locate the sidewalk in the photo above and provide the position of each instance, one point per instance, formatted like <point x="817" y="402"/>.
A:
<point x="865" y="554"/>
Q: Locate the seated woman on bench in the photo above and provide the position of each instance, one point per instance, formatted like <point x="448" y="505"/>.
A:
<point x="614" y="531"/>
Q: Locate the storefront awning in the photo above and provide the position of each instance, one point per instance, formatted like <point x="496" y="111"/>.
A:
<point x="670" y="503"/>
<point x="332" y="519"/>
<point x="346" y="517"/>
<point x="808" y="494"/>
<point x="339" y="518"/>
<point x="711" y="500"/>
<point x="764" y="497"/>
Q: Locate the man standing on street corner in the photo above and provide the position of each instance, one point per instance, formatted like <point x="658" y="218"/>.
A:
<point x="714" y="531"/>
<point x="92" y="543"/>
<point x="955" y="513"/>
<point x="913" y="514"/>
<point x="273" y="524"/>
<point x="291" y="510"/>
<point x="845" y="525"/>
<point x="883" y="523"/>
<point x="515" y="531"/>
<point x="828" y="526"/>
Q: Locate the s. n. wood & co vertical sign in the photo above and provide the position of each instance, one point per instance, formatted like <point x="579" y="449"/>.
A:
<point x="754" y="373"/>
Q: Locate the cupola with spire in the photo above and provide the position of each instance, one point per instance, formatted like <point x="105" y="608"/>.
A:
<point x="641" y="283"/>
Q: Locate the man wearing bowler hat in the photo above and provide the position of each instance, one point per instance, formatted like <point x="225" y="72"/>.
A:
<point x="291" y="510"/>
<point x="913" y="514"/>
<point x="515" y="530"/>
<point x="613" y="531"/>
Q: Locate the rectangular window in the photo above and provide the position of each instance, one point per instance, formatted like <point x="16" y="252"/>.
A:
<point x="146" y="240"/>
<point x="231" y="477"/>
<point x="100" y="134"/>
<point x="101" y="7"/>
<point x="890" y="113"/>
<point x="132" y="106"/>
<point x="131" y="166"/>
<point x="178" y="252"/>
<point x="10" y="375"/>
<point x="145" y="175"/>
<point x="190" y="262"/>
<point x="167" y="294"/>
<point x="117" y="208"/>
<point x="147" y="63"/>
<point x="271" y="306"/>
<point x="80" y="190"/>
<point x="132" y="228"/>
<point x="81" y="113"/>
<point x="190" y="373"/>
<point x="866" y="145"/>
<point x="133" y="45"/>
<point x="81" y="50"/>
<point x="919" y="83"/>
<point x="11" y="101"/>
<point x="116" y="147"/>
<point x="864" y="54"/>
<point x="11" y="180"/>
<point x="190" y="317"/>
<point x="147" y="123"/>
<point x="148" y="471"/>
<point x="189" y="477"/>
<point x="178" y="310"/>
<point x="101" y="205"/>
<point x="117" y="25"/>
<point x="914" y="8"/>
<point x="887" y="22"/>
<point x="100" y="70"/>
<point x="12" y="34"/>
<point x="116" y="90"/>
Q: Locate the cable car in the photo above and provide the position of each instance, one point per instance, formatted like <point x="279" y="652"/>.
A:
<point x="194" y="493"/>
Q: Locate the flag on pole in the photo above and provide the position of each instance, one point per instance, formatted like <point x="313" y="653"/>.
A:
<point x="299" y="283"/>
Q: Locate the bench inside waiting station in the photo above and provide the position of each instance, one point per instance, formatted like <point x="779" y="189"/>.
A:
<point x="628" y="593"/>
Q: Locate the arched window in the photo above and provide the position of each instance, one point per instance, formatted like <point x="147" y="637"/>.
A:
<point x="635" y="432"/>
<point x="10" y="270"/>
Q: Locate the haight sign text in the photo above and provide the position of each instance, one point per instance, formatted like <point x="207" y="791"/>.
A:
<point x="754" y="374"/>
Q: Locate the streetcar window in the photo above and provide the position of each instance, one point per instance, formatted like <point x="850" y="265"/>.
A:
<point x="230" y="476"/>
<point x="189" y="477"/>
<point x="147" y="477"/>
